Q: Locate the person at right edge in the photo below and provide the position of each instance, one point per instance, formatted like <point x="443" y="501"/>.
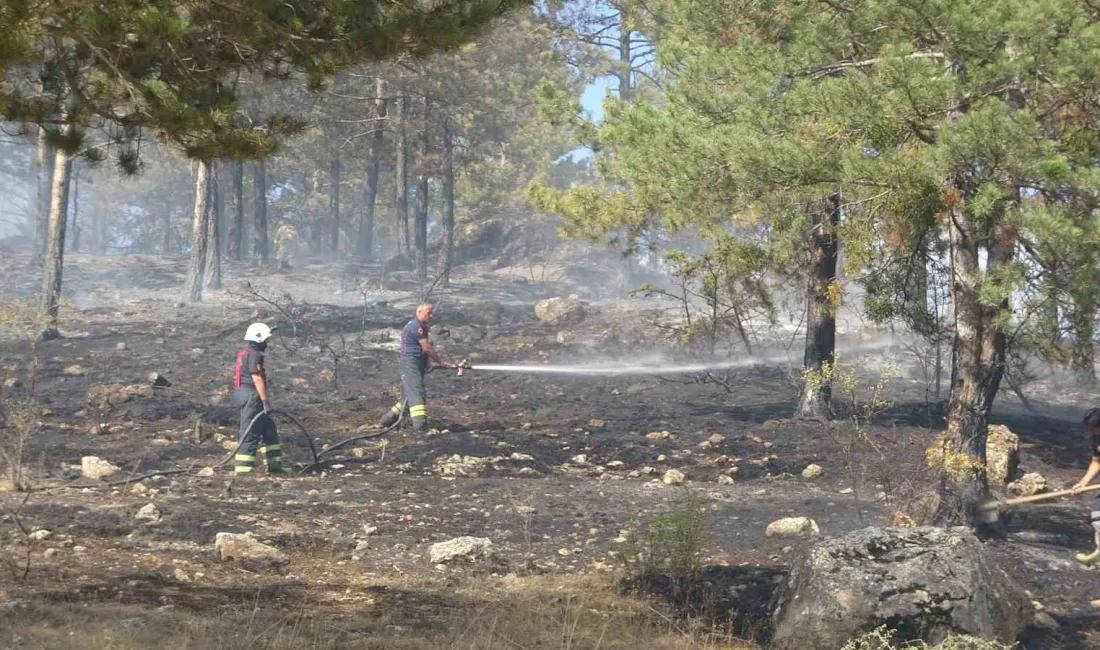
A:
<point x="416" y="352"/>
<point x="251" y="397"/>
<point x="1092" y="430"/>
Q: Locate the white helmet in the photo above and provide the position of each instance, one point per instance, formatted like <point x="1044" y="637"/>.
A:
<point x="258" y="333"/>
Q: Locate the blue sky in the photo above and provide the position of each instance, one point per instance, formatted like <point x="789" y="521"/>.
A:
<point x="592" y="98"/>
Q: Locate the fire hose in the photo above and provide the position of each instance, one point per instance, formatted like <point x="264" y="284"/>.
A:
<point x="461" y="368"/>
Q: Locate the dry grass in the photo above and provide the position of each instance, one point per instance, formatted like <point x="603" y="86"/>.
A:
<point x="567" y="613"/>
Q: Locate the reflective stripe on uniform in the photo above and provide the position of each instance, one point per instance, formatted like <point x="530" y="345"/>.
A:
<point x="267" y="449"/>
<point x="418" y="411"/>
<point x="242" y="469"/>
<point x="1095" y="515"/>
<point x="396" y="408"/>
<point x="244" y="458"/>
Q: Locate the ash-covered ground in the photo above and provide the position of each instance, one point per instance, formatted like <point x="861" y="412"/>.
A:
<point x="554" y="470"/>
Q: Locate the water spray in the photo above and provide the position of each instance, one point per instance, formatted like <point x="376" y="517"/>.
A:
<point x="634" y="368"/>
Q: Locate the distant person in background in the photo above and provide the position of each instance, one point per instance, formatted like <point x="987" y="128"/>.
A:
<point x="1092" y="430"/>
<point x="416" y="352"/>
<point x="286" y="246"/>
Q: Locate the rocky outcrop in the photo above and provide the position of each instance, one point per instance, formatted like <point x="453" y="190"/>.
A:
<point x="923" y="583"/>
<point x="1002" y="455"/>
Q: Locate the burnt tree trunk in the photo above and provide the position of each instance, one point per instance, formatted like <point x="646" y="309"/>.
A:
<point x="374" y="165"/>
<point x="214" y="230"/>
<point x="421" y="234"/>
<point x="259" y="212"/>
<point x="54" y="262"/>
<point x="448" y="204"/>
<point x="334" y="201"/>
<point x="817" y="360"/>
<point x="978" y="365"/>
<point x="200" y="233"/>
<point x="235" y="233"/>
<point x="401" y="185"/>
<point x="44" y="158"/>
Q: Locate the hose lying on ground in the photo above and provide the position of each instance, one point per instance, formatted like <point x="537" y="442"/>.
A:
<point x="172" y="472"/>
<point x="365" y="436"/>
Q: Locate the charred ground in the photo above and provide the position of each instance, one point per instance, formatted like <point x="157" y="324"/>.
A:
<point x="554" y="470"/>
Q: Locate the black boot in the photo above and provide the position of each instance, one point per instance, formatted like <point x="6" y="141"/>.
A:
<point x="420" y="424"/>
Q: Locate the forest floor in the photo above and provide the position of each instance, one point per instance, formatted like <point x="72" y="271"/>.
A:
<point x="556" y="471"/>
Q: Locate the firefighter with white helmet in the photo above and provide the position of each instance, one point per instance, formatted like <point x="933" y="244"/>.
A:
<point x="251" y="397"/>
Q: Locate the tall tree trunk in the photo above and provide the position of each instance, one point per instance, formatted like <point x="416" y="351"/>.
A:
<point x="44" y="158"/>
<point x="978" y="364"/>
<point x="259" y="207"/>
<point x="214" y="231"/>
<point x="235" y="233"/>
<point x="334" y="201"/>
<point x="200" y="232"/>
<point x="374" y="164"/>
<point x="401" y="186"/>
<point x="55" y="244"/>
<point x="816" y="399"/>
<point x="74" y="202"/>
<point x="626" y="65"/>
<point x="448" y="204"/>
<point x="421" y="238"/>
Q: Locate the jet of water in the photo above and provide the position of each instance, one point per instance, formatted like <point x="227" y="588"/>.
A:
<point x="619" y="369"/>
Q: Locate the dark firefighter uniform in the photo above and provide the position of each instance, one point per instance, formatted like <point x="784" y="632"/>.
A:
<point x="413" y="364"/>
<point x="250" y="361"/>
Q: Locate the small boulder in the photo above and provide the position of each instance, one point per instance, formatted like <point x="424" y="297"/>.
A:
<point x="149" y="513"/>
<point x="923" y="583"/>
<point x="716" y="439"/>
<point x="40" y="535"/>
<point x="1027" y="485"/>
<point x="812" y="471"/>
<point x="94" y="467"/>
<point x="658" y="435"/>
<point x="725" y="480"/>
<point x="792" y="527"/>
<point x="559" y="311"/>
<point x="673" y="477"/>
<point x="234" y="546"/>
<point x="469" y="548"/>
<point x="75" y="370"/>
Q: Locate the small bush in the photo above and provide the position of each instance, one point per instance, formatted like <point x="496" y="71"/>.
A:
<point x="672" y="545"/>
<point x="883" y="639"/>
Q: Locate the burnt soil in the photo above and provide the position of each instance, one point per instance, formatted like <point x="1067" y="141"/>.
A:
<point x="545" y="509"/>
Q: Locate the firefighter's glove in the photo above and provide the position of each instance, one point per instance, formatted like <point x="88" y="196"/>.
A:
<point x="265" y="407"/>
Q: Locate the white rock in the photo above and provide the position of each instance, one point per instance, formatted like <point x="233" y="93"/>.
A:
<point x="148" y="513"/>
<point x="658" y="435"/>
<point x="812" y="471"/>
<point x="94" y="467"/>
<point x="559" y="311"/>
<point x="725" y="480"/>
<point x="206" y="471"/>
<point x="716" y="438"/>
<point x="579" y="459"/>
<point x="1045" y="621"/>
<point x="792" y="527"/>
<point x="1028" y="484"/>
<point x="40" y="535"/>
<point x="234" y="546"/>
<point x="75" y="370"/>
<point x="673" y="477"/>
<point x="370" y="529"/>
<point x="460" y="547"/>
<point x="50" y="552"/>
